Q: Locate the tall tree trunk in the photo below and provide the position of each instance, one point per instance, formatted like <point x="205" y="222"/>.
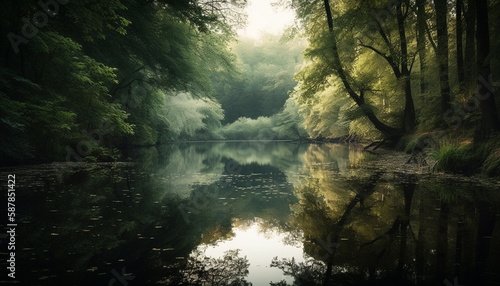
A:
<point x="470" y="49"/>
<point x="489" y="119"/>
<point x="442" y="52"/>
<point x="409" y="113"/>
<point x="460" y="52"/>
<point x="388" y="131"/>
<point x="421" y="42"/>
<point x="400" y="68"/>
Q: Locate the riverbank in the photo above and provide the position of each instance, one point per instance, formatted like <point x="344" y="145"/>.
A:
<point x="454" y="152"/>
<point x="423" y="165"/>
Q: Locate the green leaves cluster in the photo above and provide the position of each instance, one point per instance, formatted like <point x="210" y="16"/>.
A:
<point x="110" y="68"/>
<point x="375" y="66"/>
<point x="265" y="77"/>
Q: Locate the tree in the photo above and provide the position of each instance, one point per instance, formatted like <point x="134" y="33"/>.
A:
<point x="421" y="47"/>
<point x="103" y="69"/>
<point x="63" y="92"/>
<point x="489" y="119"/>
<point x="460" y="57"/>
<point x="470" y="50"/>
<point x="263" y="78"/>
<point x="332" y="62"/>
<point x="442" y="52"/>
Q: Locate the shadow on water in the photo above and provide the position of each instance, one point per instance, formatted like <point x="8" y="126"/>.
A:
<point x="274" y="213"/>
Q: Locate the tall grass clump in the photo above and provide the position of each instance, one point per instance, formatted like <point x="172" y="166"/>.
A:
<point x="491" y="166"/>
<point x="457" y="159"/>
<point x="483" y="157"/>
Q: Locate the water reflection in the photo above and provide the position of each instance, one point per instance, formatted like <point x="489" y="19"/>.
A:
<point x="199" y="269"/>
<point x="253" y="212"/>
<point x="259" y="242"/>
<point x="403" y="233"/>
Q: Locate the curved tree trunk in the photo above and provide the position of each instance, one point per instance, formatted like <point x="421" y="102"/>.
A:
<point x="388" y="131"/>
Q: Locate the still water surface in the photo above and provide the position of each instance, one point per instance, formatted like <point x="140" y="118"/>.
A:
<point x="241" y="213"/>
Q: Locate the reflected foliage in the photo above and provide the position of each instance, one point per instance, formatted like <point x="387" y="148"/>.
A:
<point x="394" y="232"/>
<point x="201" y="270"/>
<point x="310" y="272"/>
<point x="356" y="226"/>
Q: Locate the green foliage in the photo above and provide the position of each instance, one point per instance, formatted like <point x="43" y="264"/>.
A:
<point x="287" y="124"/>
<point x="290" y="122"/>
<point x="192" y="118"/>
<point x="55" y="91"/>
<point x="327" y="81"/>
<point x="455" y="155"/>
<point x="100" y="68"/>
<point x="59" y="104"/>
<point x="450" y="158"/>
<point x="325" y="115"/>
<point x="103" y="154"/>
<point x="355" y="68"/>
<point x="89" y="20"/>
<point x="465" y="159"/>
<point x="250" y="129"/>
<point x="489" y="153"/>
<point x="148" y="72"/>
<point x="491" y="166"/>
<point x="264" y="77"/>
<point x="160" y="79"/>
<point x="331" y="114"/>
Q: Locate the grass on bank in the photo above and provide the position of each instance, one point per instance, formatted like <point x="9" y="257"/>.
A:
<point x="457" y="153"/>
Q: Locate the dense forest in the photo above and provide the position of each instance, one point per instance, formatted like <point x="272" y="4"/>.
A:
<point x="86" y="80"/>
<point x="149" y="142"/>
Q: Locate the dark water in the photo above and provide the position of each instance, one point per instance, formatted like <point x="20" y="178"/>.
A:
<point x="252" y="212"/>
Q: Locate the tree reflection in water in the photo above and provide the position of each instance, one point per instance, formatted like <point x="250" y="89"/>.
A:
<point x="309" y="272"/>
<point x="202" y="270"/>
<point x="354" y="229"/>
<point x="395" y="232"/>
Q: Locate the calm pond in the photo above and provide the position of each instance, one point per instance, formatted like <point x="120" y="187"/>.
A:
<point x="259" y="213"/>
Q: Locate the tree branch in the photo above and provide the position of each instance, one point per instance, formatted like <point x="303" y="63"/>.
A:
<point x="389" y="59"/>
<point x="120" y="86"/>
<point x="430" y="37"/>
<point x="384" y="36"/>
<point x="413" y="61"/>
